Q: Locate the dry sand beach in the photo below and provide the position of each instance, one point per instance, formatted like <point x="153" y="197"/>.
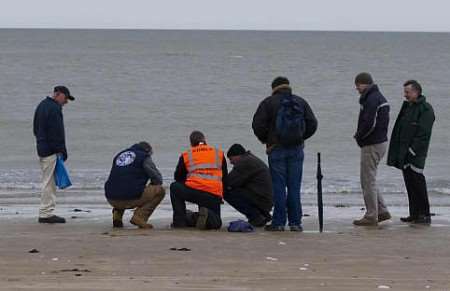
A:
<point x="87" y="254"/>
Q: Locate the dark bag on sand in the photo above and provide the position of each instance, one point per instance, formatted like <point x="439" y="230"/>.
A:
<point x="290" y="121"/>
<point x="240" y="226"/>
<point x="62" y="178"/>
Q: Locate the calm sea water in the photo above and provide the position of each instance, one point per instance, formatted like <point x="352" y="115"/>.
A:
<point x="161" y="85"/>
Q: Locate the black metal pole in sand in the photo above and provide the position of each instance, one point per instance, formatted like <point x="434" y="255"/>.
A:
<point x="319" y="193"/>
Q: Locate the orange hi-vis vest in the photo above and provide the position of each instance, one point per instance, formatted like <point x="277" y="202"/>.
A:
<point x="204" y="167"/>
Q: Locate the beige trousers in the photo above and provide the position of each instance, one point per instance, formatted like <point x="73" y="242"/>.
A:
<point x="371" y="156"/>
<point x="150" y="199"/>
<point x="48" y="195"/>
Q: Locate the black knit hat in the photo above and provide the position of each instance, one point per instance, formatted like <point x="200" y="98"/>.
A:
<point x="145" y="146"/>
<point x="364" y="78"/>
<point x="236" y="150"/>
<point x="278" y="81"/>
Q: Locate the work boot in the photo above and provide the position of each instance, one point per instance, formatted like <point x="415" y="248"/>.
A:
<point x="384" y="216"/>
<point x="117" y="217"/>
<point x="52" y="219"/>
<point x="202" y="218"/>
<point x="422" y="219"/>
<point x="191" y="218"/>
<point x="365" y="222"/>
<point x="407" y="219"/>
<point x="140" y="223"/>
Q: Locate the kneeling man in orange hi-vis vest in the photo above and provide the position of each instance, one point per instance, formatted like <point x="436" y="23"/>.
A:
<point x="199" y="178"/>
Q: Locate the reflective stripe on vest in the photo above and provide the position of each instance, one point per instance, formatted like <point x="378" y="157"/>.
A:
<point x="216" y="165"/>
<point x="204" y="166"/>
<point x="205" y="176"/>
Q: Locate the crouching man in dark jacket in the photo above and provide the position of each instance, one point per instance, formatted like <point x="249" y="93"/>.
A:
<point x="409" y="147"/>
<point x="126" y="187"/>
<point x="249" y="186"/>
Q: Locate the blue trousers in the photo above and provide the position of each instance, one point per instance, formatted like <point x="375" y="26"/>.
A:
<point x="286" y="168"/>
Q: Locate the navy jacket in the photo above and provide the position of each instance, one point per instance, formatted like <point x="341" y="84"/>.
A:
<point x="48" y="128"/>
<point x="373" y="118"/>
<point x="128" y="177"/>
<point x="265" y="117"/>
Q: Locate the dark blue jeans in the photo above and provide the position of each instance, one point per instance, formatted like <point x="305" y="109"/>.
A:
<point x="286" y="167"/>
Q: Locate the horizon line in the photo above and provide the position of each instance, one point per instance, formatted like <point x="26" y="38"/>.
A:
<point x="221" y="29"/>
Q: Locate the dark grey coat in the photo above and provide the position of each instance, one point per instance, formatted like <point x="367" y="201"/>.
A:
<point x="251" y="176"/>
<point x="265" y="117"/>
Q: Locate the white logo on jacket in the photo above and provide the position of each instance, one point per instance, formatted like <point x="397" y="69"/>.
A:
<point x="125" y="159"/>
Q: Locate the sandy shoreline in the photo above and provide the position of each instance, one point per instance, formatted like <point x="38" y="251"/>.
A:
<point x="87" y="254"/>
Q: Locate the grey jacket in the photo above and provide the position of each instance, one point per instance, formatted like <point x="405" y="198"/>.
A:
<point x="153" y="172"/>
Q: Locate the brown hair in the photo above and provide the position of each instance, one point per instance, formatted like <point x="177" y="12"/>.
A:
<point x="196" y="137"/>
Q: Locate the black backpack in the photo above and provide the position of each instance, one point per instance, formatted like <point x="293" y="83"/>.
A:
<point x="290" y="121"/>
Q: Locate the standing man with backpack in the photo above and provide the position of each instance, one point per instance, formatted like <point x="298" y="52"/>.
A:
<point x="283" y="122"/>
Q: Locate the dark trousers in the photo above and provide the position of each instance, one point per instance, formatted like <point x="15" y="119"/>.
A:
<point x="241" y="202"/>
<point x="416" y="186"/>
<point x="179" y="194"/>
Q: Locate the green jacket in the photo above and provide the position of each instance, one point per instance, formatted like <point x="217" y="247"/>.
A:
<point x="411" y="135"/>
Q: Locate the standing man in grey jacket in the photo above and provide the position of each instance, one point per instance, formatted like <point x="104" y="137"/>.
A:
<point x="371" y="136"/>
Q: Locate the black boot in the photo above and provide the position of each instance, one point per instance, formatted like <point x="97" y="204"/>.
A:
<point x="423" y="219"/>
<point x="52" y="219"/>
<point x="407" y="219"/>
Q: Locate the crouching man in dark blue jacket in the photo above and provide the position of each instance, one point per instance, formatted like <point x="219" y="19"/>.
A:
<point x="126" y="187"/>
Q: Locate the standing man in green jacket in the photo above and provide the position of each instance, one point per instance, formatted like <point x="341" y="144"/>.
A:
<point x="408" y="149"/>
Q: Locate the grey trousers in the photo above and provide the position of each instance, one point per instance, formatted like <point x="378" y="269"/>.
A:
<point x="371" y="156"/>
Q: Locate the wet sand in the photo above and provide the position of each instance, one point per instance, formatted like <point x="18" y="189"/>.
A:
<point x="87" y="254"/>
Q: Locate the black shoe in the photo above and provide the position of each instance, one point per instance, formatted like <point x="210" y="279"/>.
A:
<point x="407" y="219"/>
<point x="259" y="221"/>
<point x="271" y="227"/>
<point x="52" y="219"/>
<point x="296" y="228"/>
<point x="422" y="219"/>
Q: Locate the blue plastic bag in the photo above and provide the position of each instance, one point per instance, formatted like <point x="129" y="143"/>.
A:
<point x="62" y="178"/>
<point x="240" y="226"/>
